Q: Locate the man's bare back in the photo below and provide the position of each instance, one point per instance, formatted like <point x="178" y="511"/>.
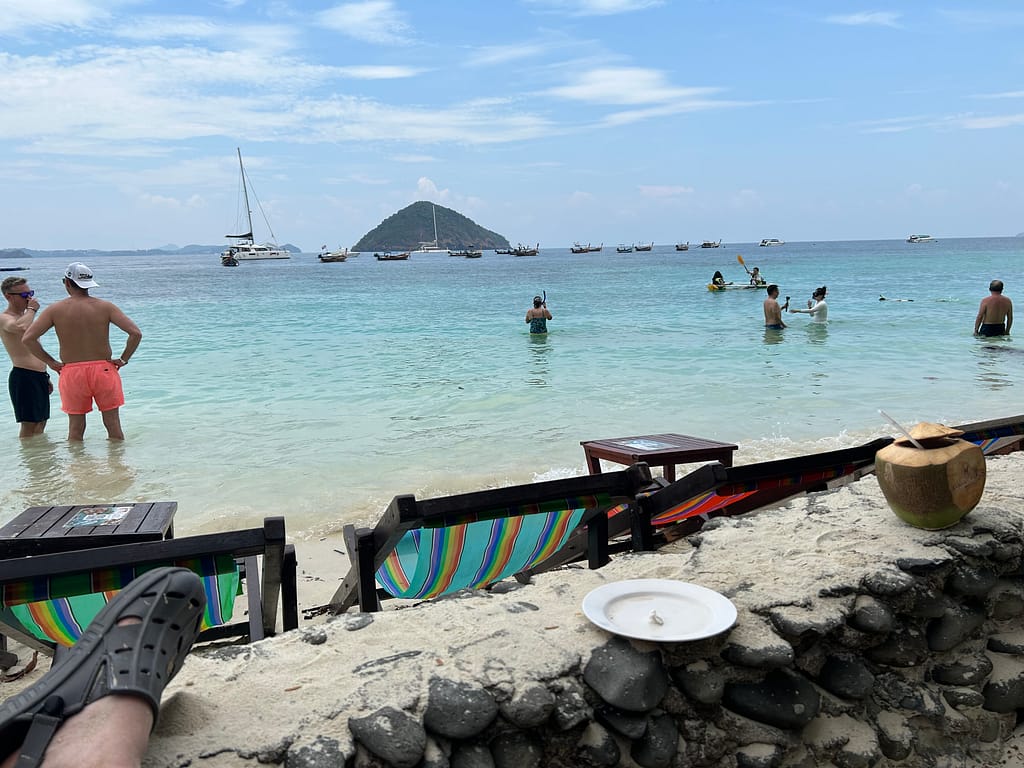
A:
<point x="83" y="327"/>
<point x="995" y="314"/>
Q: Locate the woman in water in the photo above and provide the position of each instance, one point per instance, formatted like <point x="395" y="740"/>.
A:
<point x="537" y="316"/>
<point x="717" y="279"/>
<point x="816" y="307"/>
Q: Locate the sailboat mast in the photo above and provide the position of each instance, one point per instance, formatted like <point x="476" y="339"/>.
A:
<point x="433" y="210"/>
<point x="245" y="191"/>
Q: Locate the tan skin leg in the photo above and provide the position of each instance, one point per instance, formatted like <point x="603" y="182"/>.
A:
<point x="112" y="421"/>
<point x="76" y="426"/>
<point x="30" y="428"/>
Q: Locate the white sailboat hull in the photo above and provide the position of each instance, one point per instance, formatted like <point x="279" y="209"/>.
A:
<point x="256" y="252"/>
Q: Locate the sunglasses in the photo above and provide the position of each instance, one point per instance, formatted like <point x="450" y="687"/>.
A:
<point x="23" y="294"/>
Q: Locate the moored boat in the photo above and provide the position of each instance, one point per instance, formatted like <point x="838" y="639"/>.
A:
<point x="468" y="253"/>
<point x="711" y="244"/>
<point x="920" y="239"/>
<point x="246" y="248"/>
<point x="429" y="247"/>
<point x="769" y="241"/>
<point x="648" y="247"/>
<point x="624" y="249"/>
<point x="577" y="248"/>
<point x="683" y="246"/>
<point x="525" y="250"/>
<point x="228" y="261"/>
<point x="389" y="256"/>
<point x="339" y="255"/>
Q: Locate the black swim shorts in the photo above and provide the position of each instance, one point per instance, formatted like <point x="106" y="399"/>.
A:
<point x="30" y="394"/>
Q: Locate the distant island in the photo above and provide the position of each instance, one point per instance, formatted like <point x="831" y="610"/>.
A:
<point x="413" y="226"/>
<point x="84" y="254"/>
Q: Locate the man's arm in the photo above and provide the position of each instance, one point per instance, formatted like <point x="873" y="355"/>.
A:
<point x="981" y="316"/>
<point x="126" y="324"/>
<point x="1009" y="317"/>
<point x="30" y="339"/>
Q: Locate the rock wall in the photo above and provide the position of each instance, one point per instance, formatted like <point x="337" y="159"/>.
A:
<point x="860" y="641"/>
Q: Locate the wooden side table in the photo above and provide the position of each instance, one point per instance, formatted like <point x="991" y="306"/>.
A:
<point x="42" y="530"/>
<point x="663" y="451"/>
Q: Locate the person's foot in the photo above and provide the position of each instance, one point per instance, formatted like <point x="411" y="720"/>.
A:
<point x="97" y="705"/>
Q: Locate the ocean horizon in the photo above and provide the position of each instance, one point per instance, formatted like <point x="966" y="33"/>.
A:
<point x="320" y="391"/>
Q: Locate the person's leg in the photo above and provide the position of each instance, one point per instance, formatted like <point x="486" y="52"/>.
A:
<point x="29" y="428"/>
<point x="97" y="704"/>
<point x="112" y="421"/>
<point x="76" y="426"/>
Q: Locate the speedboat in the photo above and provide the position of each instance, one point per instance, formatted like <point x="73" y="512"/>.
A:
<point x="920" y="239"/>
<point x="771" y="241"/>
<point x="711" y="244"/>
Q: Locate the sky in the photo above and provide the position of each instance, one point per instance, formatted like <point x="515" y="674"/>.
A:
<point x="546" y="121"/>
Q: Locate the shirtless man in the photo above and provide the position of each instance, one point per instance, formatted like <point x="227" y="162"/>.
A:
<point x="772" y="310"/>
<point x="88" y="372"/>
<point x="29" y="383"/>
<point x="995" y="315"/>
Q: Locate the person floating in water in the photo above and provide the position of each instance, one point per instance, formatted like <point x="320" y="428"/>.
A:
<point x="816" y="307"/>
<point x="537" y="316"/>
<point x="995" y="315"/>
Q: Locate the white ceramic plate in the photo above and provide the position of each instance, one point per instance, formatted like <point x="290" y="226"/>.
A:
<point x="659" y="609"/>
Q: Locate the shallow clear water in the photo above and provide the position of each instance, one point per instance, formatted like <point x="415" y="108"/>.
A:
<point x="319" y="391"/>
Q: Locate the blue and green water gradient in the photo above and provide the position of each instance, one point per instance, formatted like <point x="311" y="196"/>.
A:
<point x="320" y="391"/>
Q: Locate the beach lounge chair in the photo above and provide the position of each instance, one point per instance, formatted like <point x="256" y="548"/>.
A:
<point x="422" y="548"/>
<point x="48" y="600"/>
<point x="996" y="436"/>
<point x="713" y="490"/>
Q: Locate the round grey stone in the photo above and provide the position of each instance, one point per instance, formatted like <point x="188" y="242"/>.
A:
<point x="322" y="753"/>
<point x="871" y="615"/>
<point x="700" y="682"/>
<point x="530" y="706"/>
<point x="964" y="670"/>
<point x="782" y="699"/>
<point x="392" y="735"/>
<point x="458" y="710"/>
<point x="626" y="678"/>
<point x="849" y="678"/>
<point x="659" y="744"/>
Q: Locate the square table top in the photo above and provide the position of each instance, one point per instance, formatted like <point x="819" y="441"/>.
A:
<point x="665" y="445"/>
<point x="40" y="530"/>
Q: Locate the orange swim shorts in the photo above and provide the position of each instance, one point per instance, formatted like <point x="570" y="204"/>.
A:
<point x="81" y="383"/>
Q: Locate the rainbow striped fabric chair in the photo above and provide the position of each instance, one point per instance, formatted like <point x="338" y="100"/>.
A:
<point x="47" y="601"/>
<point x="997" y="435"/>
<point x="713" y="490"/>
<point x="425" y="548"/>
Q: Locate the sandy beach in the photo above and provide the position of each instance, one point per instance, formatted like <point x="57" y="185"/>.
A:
<point x="273" y="699"/>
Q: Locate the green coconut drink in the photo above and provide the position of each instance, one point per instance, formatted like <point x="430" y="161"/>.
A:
<point x="932" y="486"/>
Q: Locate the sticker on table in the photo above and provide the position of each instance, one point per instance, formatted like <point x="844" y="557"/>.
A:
<point x="645" y="445"/>
<point x="97" y="516"/>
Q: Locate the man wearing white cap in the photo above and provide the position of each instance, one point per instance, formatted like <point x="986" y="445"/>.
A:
<point x="88" y="372"/>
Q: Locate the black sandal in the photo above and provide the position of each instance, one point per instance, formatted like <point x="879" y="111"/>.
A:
<point x="136" y="659"/>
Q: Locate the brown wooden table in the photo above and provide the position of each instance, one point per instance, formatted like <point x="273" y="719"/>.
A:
<point x="42" y="530"/>
<point x="663" y="451"/>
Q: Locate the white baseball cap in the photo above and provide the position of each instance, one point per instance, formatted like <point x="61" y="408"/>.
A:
<point x="80" y="275"/>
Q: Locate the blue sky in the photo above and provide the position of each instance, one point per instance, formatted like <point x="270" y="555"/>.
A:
<point x="547" y="121"/>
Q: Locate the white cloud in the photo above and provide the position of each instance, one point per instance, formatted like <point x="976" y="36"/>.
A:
<point x="626" y="85"/>
<point x="172" y="203"/>
<point x="372" y="21"/>
<point x="1004" y="95"/>
<point x="268" y="38"/>
<point x="985" y="123"/>
<point x="598" y="7"/>
<point x="19" y="15"/>
<point x="382" y="72"/>
<point x="665" y="192"/>
<point x="426" y="189"/>
<point x="866" y="19"/>
<point x="414" y="159"/>
<point x="504" y="54"/>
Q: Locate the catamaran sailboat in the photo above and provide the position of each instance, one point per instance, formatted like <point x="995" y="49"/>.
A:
<point x="246" y="248"/>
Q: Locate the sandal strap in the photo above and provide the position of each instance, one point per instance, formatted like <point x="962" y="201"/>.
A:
<point x="40" y="733"/>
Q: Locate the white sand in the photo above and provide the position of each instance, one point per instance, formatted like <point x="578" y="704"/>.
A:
<point x="290" y="688"/>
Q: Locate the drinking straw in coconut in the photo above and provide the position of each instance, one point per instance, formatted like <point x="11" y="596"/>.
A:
<point x="899" y="426"/>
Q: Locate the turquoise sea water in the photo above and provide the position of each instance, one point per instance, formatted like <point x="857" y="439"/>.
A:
<point x="319" y="391"/>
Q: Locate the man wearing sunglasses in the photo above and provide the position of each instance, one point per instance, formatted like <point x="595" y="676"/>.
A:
<point x="28" y="383"/>
<point x="88" y="371"/>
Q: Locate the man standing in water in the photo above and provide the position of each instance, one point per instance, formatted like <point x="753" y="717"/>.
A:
<point x="995" y="315"/>
<point x="537" y="316"/>
<point x="772" y="310"/>
<point x="29" y="383"/>
<point x="88" y="372"/>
